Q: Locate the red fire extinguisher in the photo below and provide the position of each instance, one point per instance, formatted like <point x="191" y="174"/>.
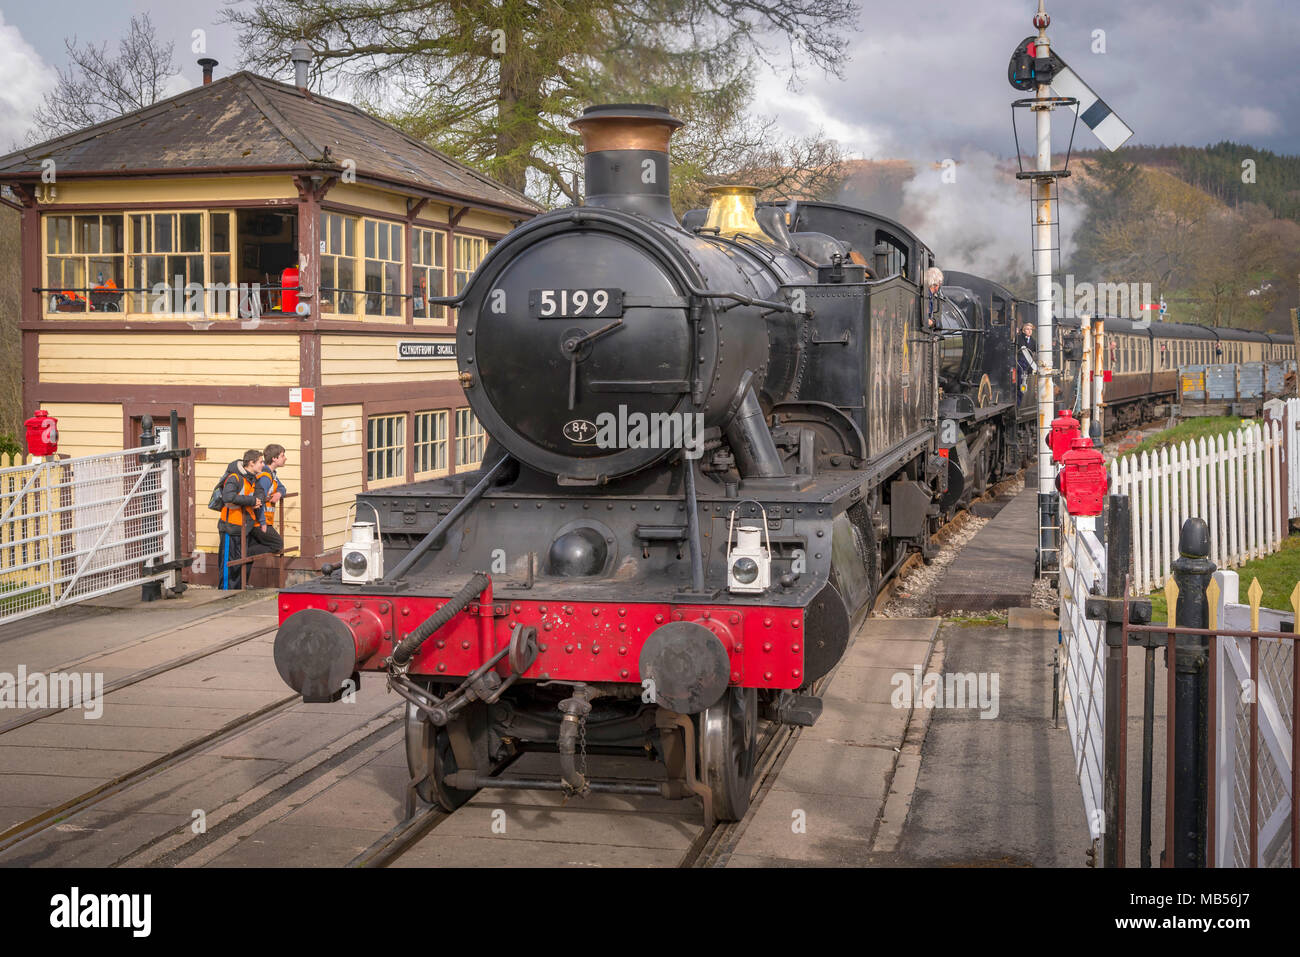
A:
<point x="289" y="295"/>
<point x="42" y="434"/>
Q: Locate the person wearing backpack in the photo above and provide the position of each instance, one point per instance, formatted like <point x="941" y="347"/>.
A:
<point x="241" y="511"/>
<point x="273" y="490"/>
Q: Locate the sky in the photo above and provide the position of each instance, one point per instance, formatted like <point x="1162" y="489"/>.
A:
<point x="926" y="81"/>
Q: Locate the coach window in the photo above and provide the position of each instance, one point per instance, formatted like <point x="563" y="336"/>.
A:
<point x="383" y="268"/>
<point x="385" y="448"/>
<point x="428" y="271"/>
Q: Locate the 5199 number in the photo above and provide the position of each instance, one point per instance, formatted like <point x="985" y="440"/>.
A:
<point x="574" y="303"/>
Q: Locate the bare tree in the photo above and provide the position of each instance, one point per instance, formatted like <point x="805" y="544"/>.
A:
<point x="98" y="86"/>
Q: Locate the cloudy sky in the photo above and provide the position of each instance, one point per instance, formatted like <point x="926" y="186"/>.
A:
<point x="926" y="76"/>
<point x="926" y="82"/>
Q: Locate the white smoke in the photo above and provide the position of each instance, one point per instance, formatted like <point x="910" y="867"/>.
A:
<point x="977" y="217"/>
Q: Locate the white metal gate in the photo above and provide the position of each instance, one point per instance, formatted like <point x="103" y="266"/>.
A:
<point x="72" y="529"/>
<point x="1083" y="573"/>
<point x="1276" y="724"/>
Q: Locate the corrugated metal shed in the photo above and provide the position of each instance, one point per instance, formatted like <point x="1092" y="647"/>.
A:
<point x="245" y="122"/>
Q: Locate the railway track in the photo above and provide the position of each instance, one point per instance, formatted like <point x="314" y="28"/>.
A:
<point x="136" y="677"/>
<point x="272" y="800"/>
<point x="36" y="824"/>
<point x="39" y="823"/>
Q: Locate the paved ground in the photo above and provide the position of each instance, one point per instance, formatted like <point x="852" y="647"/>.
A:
<point x="876" y="782"/>
<point x="996" y="568"/>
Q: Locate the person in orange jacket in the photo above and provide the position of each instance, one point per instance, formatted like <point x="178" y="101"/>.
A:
<point x="241" y="511"/>
<point x="273" y="491"/>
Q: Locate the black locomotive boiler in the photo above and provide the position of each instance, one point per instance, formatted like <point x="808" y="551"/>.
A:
<point x="709" y="443"/>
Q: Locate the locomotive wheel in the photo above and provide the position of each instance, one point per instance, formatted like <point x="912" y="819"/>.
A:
<point x="429" y="757"/>
<point x="728" y="732"/>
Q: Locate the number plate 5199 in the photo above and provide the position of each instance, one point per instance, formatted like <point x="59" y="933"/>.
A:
<point x="574" y="303"/>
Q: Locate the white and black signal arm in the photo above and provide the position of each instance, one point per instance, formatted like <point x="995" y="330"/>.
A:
<point x="1027" y="70"/>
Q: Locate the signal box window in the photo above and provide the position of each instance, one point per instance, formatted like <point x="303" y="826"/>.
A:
<point x="385" y="447"/>
<point x="428" y="271"/>
<point x="85" y="261"/>
<point x="338" y="280"/>
<point x="471" y="440"/>
<point x="470" y="251"/>
<point x="383" y="269"/>
<point x="430" y="446"/>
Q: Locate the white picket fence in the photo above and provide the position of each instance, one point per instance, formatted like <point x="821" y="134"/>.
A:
<point x="1235" y="482"/>
<point x="1287" y="411"/>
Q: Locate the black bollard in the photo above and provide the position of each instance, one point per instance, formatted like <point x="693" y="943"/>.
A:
<point x="1191" y="758"/>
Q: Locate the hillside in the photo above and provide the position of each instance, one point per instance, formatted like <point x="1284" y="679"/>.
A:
<point x="1217" y="170"/>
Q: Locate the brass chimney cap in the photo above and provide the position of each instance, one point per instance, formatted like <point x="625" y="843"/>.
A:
<point x="732" y="211"/>
<point x="626" y="126"/>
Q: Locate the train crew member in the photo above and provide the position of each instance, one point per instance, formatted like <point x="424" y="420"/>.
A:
<point x="242" y="511"/>
<point x="273" y="491"/>
<point x="1024" y="341"/>
<point x="933" y="279"/>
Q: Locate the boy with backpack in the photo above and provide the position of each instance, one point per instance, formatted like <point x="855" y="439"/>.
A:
<point x="273" y="491"/>
<point x="241" y="510"/>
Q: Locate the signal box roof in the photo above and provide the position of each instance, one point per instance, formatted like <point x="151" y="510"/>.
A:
<point x="246" y="123"/>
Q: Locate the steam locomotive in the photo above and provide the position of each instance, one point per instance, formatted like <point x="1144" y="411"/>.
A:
<point x="710" y="443"/>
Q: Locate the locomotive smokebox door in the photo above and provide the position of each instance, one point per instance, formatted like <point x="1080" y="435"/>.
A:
<point x="688" y="667"/>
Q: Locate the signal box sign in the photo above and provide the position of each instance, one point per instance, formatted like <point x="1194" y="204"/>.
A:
<point x="426" y="350"/>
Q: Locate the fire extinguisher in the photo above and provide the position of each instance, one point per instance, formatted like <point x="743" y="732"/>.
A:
<point x="289" y="294"/>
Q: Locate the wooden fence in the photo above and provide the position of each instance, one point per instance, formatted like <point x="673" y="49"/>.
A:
<point x="1236" y="482"/>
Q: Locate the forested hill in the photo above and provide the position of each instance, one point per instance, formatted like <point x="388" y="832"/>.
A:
<point x="1219" y="171"/>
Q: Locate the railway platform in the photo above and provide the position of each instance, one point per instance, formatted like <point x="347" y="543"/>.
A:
<point x="996" y="569"/>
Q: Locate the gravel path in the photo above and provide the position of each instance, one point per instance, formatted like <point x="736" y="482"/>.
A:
<point x="914" y="597"/>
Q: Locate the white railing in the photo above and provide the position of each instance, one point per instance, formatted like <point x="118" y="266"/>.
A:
<point x="1232" y="481"/>
<point x="1273" y="692"/>
<point x="1083" y="650"/>
<point x="78" y="528"/>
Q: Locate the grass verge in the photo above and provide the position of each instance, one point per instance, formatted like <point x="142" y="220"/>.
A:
<point x="1277" y="574"/>
<point x="1206" y="426"/>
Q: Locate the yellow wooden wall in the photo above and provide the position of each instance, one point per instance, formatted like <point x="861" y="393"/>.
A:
<point x="226" y="431"/>
<point x="343" y="436"/>
<point x="180" y="358"/>
<point x="181" y="189"/>
<point x="87" y="428"/>
<point x="364" y="360"/>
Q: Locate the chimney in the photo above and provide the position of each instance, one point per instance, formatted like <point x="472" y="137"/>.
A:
<point x="300" y="56"/>
<point x="207" y="63"/>
<point x="625" y="148"/>
<point x="732" y="212"/>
